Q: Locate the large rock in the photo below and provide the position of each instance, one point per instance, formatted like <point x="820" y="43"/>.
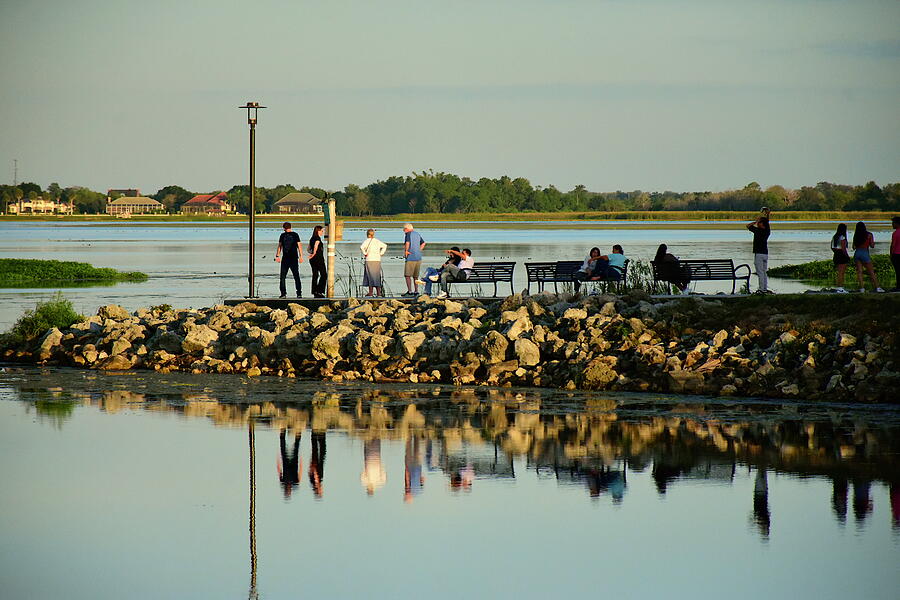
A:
<point x="219" y="321"/>
<point x="598" y="374"/>
<point x="527" y="352"/>
<point x="115" y="363"/>
<point x="410" y="343"/>
<point x="493" y="347"/>
<point x="327" y="345"/>
<point x="170" y="342"/>
<point x="199" y="338"/>
<point x="119" y="346"/>
<point x="522" y="324"/>
<point x="114" y="312"/>
<point x="49" y="343"/>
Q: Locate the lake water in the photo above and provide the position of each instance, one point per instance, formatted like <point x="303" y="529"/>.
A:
<point x="141" y="485"/>
<point x="195" y="265"/>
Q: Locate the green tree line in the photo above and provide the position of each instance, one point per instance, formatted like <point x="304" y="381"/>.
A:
<point x="437" y="192"/>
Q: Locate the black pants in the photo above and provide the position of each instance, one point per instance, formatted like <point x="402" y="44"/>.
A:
<point x="295" y="271"/>
<point x="319" y="277"/>
<point x="895" y="261"/>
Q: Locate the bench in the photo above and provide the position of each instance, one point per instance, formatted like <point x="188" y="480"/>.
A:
<point x="717" y="269"/>
<point x="490" y="272"/>
<point x="561" y="271"/>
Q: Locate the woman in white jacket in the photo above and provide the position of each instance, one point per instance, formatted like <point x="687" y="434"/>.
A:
<point x="372" y="249"/>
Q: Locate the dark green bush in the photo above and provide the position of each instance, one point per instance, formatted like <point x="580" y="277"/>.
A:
<point x="56" y="312"/>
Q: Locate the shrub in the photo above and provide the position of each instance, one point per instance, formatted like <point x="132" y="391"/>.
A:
<point x="55" y="312"/>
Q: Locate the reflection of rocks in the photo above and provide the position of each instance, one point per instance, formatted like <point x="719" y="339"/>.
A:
<point x="603" y="343"/>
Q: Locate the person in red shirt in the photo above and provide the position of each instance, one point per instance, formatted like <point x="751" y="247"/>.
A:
<point x="895" y="252"/>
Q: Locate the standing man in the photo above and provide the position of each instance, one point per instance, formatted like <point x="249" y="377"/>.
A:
<point x="288" y="254"/>
<point x="895" y="252"/>
<point x="413" y="244"/>
<point x="760" y="230"/>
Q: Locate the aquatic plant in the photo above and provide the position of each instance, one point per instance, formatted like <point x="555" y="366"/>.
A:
<point x="17" y="272"/>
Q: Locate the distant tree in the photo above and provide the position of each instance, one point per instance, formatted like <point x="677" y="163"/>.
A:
<point x="29" y="187"/>
<point x="54" y="191"/>
<point x="86" y="201"/>
<point x="172" y="197"/>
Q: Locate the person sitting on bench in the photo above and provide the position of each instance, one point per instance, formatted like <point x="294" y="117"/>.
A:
<point x="610" y="266"/>
<point x="670" y="269"/>
<point x="456" y="273"/>
<point x="587" y="269"/>
<point x="432" y="275"/>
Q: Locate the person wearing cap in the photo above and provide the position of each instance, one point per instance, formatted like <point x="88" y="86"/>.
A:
<point x="289" y="255"/>
<point x="372" y="249"/>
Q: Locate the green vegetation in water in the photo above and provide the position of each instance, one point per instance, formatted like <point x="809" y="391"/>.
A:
<point x="823" y="272"/>
<point x="56" y="312"/>
<point x="19" y="272"/>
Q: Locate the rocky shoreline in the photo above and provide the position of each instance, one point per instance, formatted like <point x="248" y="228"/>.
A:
<point x="631" y="343"/>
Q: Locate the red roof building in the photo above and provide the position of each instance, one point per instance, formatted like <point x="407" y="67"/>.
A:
<point x="206" y="204"/>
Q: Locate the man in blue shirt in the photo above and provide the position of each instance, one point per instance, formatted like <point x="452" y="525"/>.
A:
<point x="413" y="244"/>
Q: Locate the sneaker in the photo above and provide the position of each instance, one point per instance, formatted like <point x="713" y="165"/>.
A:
<point x="879" y="290"/>
<point x="862" y="290"/>
<point x="407" y="294"/>
<point x="443" y="294"/>
<point x="840" y="291"/>
<point x="433" y="278"/>
<point x="282" y="296"/>
<point x="419" y="282"/>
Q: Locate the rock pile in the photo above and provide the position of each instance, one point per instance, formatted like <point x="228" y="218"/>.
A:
<point x="602" y="343"/>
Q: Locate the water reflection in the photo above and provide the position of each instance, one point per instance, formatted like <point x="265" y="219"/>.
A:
<point x="461" y="435"/>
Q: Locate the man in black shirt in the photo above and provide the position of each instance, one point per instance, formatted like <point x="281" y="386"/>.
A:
<point x="290" y="258"/>
<point x="760" y="230"/>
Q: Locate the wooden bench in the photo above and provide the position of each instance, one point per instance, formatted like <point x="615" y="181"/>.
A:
<point x="717" y="269"/>
<point x="561" y="271"/>
<point x="489" y="272"/>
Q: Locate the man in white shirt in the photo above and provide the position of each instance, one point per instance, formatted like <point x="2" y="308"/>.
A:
<point x="456" y="273"/>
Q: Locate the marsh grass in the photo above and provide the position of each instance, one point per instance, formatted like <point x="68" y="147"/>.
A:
<point x="28" y="272"/>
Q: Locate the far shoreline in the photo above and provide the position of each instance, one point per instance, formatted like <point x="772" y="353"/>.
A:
<point x="640" y="219"/>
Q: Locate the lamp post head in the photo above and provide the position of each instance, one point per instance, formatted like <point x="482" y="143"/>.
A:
<point x="254" y="106"/>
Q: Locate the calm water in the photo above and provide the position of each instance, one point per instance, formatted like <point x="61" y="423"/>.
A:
<point x="199" y="265"/>
<point x="140" y="486"/>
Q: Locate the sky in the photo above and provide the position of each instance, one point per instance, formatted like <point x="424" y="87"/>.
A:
<point x="614" y="95"/>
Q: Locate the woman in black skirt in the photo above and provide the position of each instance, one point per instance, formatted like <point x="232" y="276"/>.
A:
<point x="317" y="262"/>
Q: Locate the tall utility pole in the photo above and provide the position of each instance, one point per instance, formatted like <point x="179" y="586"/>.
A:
<point x="251" y="120"/>
<point x="15" y="172"/>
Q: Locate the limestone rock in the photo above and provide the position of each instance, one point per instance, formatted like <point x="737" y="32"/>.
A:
<point x="493" y="347"/>
<point x="410" y="343"/>
<point x="327" y="345"/>
<point x="119" y="346"/>
<point x="49" y="343"/>
<point x="114" y="312"/>
<point x="115" y="363"/>
<point x="198" y="338"/>
<point x="170" y="342"/>
<point x="527" y="352"/>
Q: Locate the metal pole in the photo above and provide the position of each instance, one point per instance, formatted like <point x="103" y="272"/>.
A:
<point x="332" y="234"/>
<point x="252" y="202"/>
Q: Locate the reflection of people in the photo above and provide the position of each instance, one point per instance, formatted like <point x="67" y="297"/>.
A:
<point x="839" y="498"/>
<point x="317" y="463"/>
<point x="461" y="479"/>
<point x="605" y="480"/>
<point x="289" y="464"/>
<point x="317" y="261"/>
<point x="895" y="504"/>
<point x="761" y="514"/>
<point x="373" y="475"/>
<point x="862" y="502"/>
<point x="414" y="479"/>
<point x="372" y="249"/>
<point x="288" y="254"/>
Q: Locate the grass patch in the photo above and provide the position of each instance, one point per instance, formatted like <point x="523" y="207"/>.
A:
<point x="21" y="272"/>
<point x="822" y="272"/>
<point x="55" y="312"/>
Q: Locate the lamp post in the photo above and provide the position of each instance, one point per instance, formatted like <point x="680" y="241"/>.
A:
<point x="251" y="120"/>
